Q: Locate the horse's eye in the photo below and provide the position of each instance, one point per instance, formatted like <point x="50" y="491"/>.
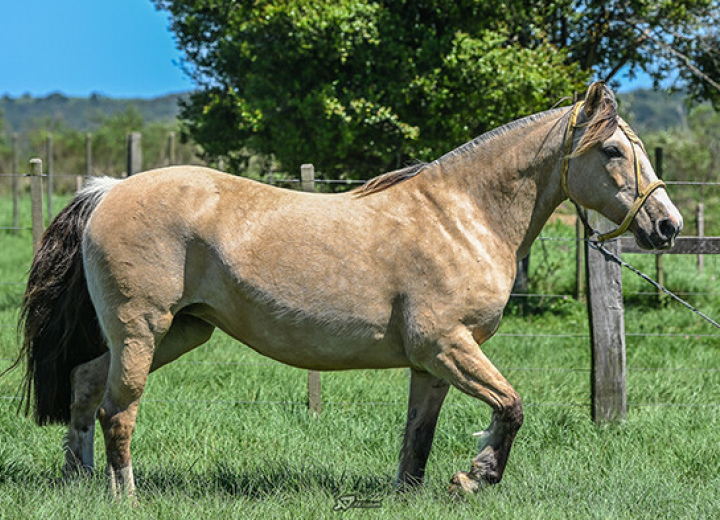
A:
<point x="612" y="152"/>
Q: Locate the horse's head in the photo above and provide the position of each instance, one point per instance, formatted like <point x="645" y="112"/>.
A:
<point x="606" y="169"/>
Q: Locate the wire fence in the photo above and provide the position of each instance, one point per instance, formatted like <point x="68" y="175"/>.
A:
<point x="564" y="336"/>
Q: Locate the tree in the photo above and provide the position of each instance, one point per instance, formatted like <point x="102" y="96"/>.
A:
<point x="356" y="87"/>
<point x="691" y="152"/>
<point x="359" y="88"/>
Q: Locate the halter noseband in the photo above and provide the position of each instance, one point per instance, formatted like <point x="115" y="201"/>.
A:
<point x="642" y="195"/>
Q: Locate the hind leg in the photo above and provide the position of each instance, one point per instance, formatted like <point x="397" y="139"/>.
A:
<point x="427" y="394"/>
<point x="460" y="362"/>
<point x="88" y="385"/>
<point x="129" y="367"/>
<point x="130" y="361"/>
<point x="186" y="333"/>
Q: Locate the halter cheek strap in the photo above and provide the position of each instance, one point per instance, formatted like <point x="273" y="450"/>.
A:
<point x="642" y="194"/>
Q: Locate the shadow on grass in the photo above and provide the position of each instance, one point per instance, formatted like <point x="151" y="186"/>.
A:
<point x="262" y="480"/>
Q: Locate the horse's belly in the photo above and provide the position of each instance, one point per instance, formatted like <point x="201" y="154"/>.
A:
<point x="312" y="342"/>
<point x="324" y="350"/>
<point x="335" y="353"/>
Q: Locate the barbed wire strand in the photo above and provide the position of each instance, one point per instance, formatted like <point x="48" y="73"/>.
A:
<point x="599" y="247"/>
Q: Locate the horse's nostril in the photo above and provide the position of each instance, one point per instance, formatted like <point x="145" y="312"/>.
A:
<point x="667" y="229"/>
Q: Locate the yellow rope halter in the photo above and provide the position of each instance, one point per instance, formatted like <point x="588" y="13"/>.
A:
<point x="642" y="195"/>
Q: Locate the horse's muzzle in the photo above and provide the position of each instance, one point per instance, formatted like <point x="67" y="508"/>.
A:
<point x="667" y="229"/>
<point x="662" y="235"/>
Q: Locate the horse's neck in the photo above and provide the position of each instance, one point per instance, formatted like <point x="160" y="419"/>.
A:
<point x="513" y="178"/>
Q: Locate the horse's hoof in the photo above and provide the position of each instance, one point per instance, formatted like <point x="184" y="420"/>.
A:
<point x="462" y="483"/>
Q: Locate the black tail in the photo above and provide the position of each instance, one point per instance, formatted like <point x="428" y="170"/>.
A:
<point x="58" y="321"/>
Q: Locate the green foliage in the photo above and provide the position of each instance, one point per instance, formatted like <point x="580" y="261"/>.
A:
<point x="691" y="152"/>
<point x="108" y="121"/>
<point x="5" y="151"/>
<point x="358" y="88"/>
<point x="651" y="111"/>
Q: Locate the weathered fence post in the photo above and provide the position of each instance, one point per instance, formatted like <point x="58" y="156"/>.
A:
<point x="16" y="182"/>
<point x="520" y="286"/>
<point x="49" y="167"/>
<point x="171" y="149"/>
<point x="88" y="162"/>
<point x="579" y="258"/>
<point x="307" y="181"/>
<point x="134" y="153"/>
<point x="700" y="233"/>
<point x="659" y="273"/>
<point x="607" y="329"/>
<point x="36" y="195"/>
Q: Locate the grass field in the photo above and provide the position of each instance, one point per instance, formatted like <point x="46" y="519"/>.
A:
<point x="224" y="432"/>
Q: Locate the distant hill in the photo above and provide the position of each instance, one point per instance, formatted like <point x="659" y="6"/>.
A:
<point x="26" y="112"/>
<point x="646" y="110"/>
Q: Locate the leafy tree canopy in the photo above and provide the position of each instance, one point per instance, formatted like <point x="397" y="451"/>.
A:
<point x="362" y="87"/>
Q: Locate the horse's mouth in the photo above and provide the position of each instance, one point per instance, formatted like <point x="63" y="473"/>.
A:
<point x="655" y="241"/>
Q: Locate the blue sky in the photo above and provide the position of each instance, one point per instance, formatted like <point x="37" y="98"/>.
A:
<point x="120" y="48"/>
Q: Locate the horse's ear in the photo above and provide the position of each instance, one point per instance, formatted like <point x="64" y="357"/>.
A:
<point x="594" y="98"/>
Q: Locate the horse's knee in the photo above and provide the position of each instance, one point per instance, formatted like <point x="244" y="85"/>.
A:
<point x="510" y="413"/>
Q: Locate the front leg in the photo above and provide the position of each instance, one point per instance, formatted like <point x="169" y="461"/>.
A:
<point x="427" y="394"/>
<point x="459" y="360"/>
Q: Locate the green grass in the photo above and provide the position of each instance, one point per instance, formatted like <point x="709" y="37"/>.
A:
<point x="203" y="450"/>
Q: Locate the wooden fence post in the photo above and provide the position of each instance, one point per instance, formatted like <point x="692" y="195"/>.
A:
<point x="579" y="258"/>
<point x="16" y="182"/>
<point x="134" y="153"/>
<point x="171" y="149"/>
<point x="36" y="194"/>
<point x="307" y="181"/>
<point x="49" y="167"/>
<point x="520" y="286"/>
<point x="88" y="163"/>
<point x="607" y="329"/>
<point x="700" y="233"/>
<point x="659" y="272"/>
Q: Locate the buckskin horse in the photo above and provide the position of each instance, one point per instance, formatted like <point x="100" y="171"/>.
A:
<point x="412" y="270"/>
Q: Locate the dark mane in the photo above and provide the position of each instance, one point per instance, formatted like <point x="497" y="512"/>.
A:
<point x="387" y="180"/>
